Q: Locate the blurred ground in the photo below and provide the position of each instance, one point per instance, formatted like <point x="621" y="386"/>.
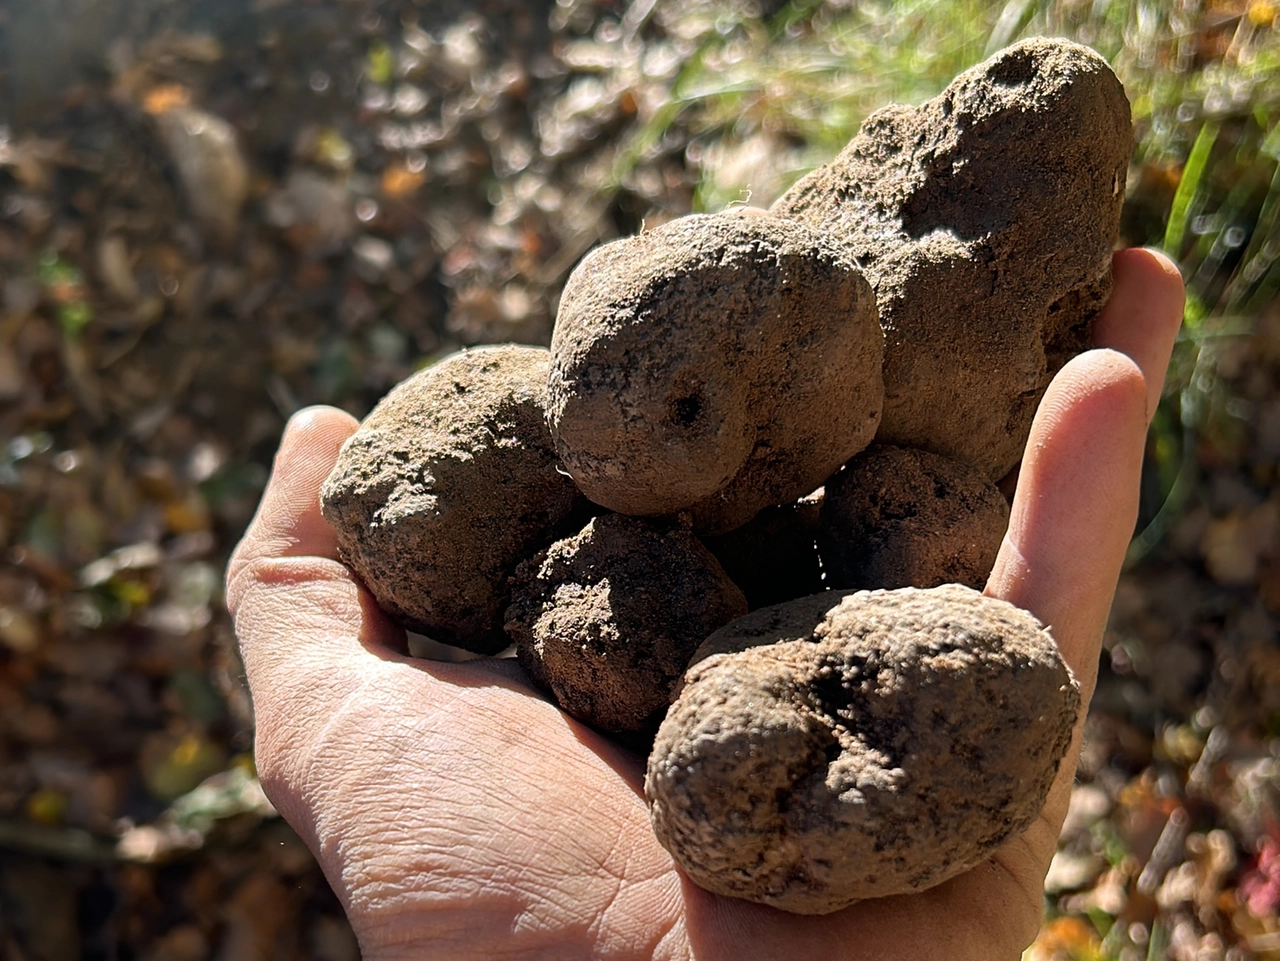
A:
<point x="213" y="215"/>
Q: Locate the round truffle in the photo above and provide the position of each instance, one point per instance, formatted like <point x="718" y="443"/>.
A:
<point x="608" y="619"/>
<point x="850" y="746"/>
<point x="985" y="220"/>
<point x="896" y="517"/>
<point x="716" y="364"/>
<point x="450" y="482"/>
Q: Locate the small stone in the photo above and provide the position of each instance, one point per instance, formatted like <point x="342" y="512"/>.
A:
<point x="213" y="172"/>
<point x="774" y="557"/>
<point x="116" y="271"/>
<point x="374" y="257"/>
<point x="315" y="210"/>
<point x="21" y="633"/>
<point x="13" y="380"/>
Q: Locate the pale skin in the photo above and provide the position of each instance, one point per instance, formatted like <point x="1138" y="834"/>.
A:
<point x="458" y="814"/>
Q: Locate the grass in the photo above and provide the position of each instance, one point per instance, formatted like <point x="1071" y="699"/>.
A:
<point x="1204" y="82"/>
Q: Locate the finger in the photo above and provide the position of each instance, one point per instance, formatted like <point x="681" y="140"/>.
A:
<point x="288" y="521"/>
<point x="1073" y="515"/>
<point x="287" y="559"/>
<point x="304" y="623"/>
<point x="1076" y="503"/>
<point x="1142" y="317"/>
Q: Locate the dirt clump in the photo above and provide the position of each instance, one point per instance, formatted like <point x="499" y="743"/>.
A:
<point x="849" y="746"/>
<point x="896" y="517"/>
<point x="607" y="619"/>
<point x="985" y="220"/>
<point x="451" y="482"/>
<point x="717" y="364"/>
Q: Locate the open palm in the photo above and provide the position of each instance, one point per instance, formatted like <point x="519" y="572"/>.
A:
<point x="458" y="814"/>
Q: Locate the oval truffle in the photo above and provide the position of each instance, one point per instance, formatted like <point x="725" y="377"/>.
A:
<point x="849" y="746"/>
<point x="607" y="619"/>
<point x="450" y="482"/>
<point x="896" y="517"/>
<point x="716" y="364"/>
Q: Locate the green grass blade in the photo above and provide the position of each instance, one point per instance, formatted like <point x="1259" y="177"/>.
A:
<point x="1192" y="174"/>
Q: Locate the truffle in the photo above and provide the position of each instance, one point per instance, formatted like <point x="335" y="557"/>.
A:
<point x="895" y="517"/>
<point x="450" y="482"/>
<point x="608" y="619"/>
<point x="849" y="746"/>
<point x="716" y="364"/>
<point x="985" y="220"/>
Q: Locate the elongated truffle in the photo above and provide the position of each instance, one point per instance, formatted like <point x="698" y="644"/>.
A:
<point x="985" y="220"/>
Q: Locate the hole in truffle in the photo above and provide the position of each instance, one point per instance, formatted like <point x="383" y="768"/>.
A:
<point x="685" y="411"/>
<point x="1018" y="67"/>
<point x="833" y="691"/>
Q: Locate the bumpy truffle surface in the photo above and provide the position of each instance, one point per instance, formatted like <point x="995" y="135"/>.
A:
<point x="985" y="220"/>
<point x="848" y="746"/>
<point x="451" y="482"/>
<point x="717" y="364"/>
<point x="896" y="517"/>
<point x="608" y="619"/>
<point x="774" y="557"/>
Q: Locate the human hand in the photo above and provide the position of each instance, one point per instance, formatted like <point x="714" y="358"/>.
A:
<point x="458" y="814"/>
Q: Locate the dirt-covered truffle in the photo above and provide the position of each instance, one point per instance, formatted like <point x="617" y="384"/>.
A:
<point x="897" y="517"/>
<point x="985" y="220"/>
<point x="447" y="486"/>
<point x="607" y="620"/>
<point x="774" y="557"/>
<point x="849" y="746"/>
<point x="716" y="364"/>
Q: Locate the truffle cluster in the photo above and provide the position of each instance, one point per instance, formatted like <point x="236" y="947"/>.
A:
<point x="801" y="414"/>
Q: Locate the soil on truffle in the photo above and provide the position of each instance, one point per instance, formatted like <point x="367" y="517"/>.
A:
<point x="985" y="220"/>
<point x="847" y="746"/>
<point x="607" y="620"/>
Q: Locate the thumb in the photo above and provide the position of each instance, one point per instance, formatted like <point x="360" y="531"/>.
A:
<point x="304" y="623"/>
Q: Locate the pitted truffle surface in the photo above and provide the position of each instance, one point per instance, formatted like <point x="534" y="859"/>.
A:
<point x="717" y="364"/>
<point x="897" y="517"/>
<point x="985" y="220"/>
<point x="858" y="745"/>
<point x="607" y="619"/>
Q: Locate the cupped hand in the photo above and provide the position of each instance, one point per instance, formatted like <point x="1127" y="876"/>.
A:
<point x="458" y="814"/>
